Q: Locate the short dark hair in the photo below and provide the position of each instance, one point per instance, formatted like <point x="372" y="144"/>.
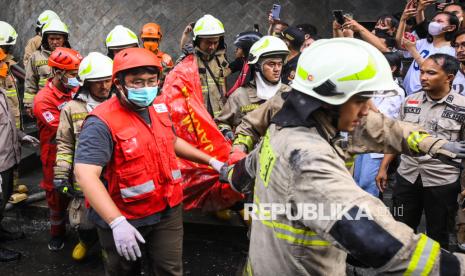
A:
<point x="454" y="4"/>
<point x="308" y="29"/>
<point x="457" y="34"/>
<point x="393" y="20"/>
<point x="394" y="59"/>
<point x="137" y="70"/>
<point x="448" y="63"/>
<point x="453" y="20"/>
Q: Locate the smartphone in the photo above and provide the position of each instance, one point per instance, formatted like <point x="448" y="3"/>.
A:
<point x="275" y="11"/>
<point x="339" y="16"/>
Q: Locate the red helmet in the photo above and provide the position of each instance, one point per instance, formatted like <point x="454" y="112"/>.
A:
<point x="134" y="57"/>
<point x="65" y="59"/>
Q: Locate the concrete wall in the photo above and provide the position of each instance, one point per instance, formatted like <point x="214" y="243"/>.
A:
<point x="90" y="21"/>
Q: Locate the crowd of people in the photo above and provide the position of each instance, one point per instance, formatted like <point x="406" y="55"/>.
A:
<point x="125" y="135"/>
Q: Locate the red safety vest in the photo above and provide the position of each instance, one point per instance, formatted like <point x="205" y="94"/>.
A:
<point x="143" y="175"/>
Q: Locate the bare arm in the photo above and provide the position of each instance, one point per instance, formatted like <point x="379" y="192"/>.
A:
<point x="185" y="36"/>
<point x="88" y="177"/>
<point x="381" y="177"/>
<point x="409" y="11"/>
<point x="186" y="151"/>
<point x="365" y="34"/>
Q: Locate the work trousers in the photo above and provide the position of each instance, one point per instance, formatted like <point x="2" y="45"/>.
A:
<point x="7" y="188"/>
<point x="162" y="249"/>
<point x="439" y="204"/>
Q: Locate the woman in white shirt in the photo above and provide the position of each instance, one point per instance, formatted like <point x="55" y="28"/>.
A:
<point x="441" y="31"/>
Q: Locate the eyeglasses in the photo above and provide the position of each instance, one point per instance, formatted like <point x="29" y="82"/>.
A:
<point x="458" y="45"/>
<point x="141" y="83"/>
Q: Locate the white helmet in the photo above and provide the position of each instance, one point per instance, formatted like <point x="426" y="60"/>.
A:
<point x="268" y="46"/>
<point x="120" y="37"/>
<point x="55" y="26"/>
<point x="333" y="70"/>
<point x="8" y="34"/>
<point x="45" y="17"/>
<point x="95" y="67"/>
<point x="208" y="26"/>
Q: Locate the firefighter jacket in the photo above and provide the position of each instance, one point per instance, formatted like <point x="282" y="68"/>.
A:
<point x="9" y="84"/>
<point x="323" y="214"/>
<point x="32" y="45"/>
<point x="37" y="73"/>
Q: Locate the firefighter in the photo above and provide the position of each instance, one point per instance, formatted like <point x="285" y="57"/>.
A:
<point x="34" y="43"/>
<point x="266" y="57"/>
<point x="95" y="75"/>
<point x="48" y="103"/>
<point x="131" y="137"/>
<point x="300" y="161"/>
<point x="120" y="38"/>
<point x="151" y="37"/>
<point x="213" y="67"/>
<point x="55" y="34"/>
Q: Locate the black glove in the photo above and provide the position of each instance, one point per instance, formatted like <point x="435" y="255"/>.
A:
<point x="228" y="134"/>
<point x="457" y="148"/>
<point x="224" y="173"/>
<point x="63" y="186"/>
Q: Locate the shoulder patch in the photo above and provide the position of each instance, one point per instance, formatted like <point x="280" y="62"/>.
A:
<point x="160" y="108"/>
<point x="48" y="116"/>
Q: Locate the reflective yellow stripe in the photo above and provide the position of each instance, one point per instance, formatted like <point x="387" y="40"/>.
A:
<point x="367" y="73"/>
<point x="65" y="157"/>
<point x="424" y="257"/>
<point x="11" y="93"/>
<point x="267" y="159"/>
<point x="249" y="107"/>
<point x="248" y="268"/>
<point x="42" y="82"/>
<point x="245" y="140"/>
<point x="18" y="124"/>
<point x="29" y="96"/>
<point x="288" y="233"/>
<point x="415" y="139"/>
<point x="78" y="116"/>
<point x="350" y="162"/>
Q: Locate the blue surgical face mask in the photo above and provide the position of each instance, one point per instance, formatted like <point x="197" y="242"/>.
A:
<point x="72" y="82"/>
<point x="142" y="97"/>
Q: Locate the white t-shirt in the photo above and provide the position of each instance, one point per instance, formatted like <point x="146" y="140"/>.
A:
<point x="412" y="78"/>
<point x="458" y="86"/>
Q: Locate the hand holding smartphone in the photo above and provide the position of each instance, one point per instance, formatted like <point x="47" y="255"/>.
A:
<point x="339" y="16"/>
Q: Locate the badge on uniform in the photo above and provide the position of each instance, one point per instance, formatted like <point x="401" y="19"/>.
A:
<point x="413" y="102"/>
<point x="160" y="108"/>
<point x="48" y="116"/>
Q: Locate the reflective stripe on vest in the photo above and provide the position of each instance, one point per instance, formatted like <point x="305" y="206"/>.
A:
<point x="11" y="93"/>
<point x="424" y="257"/>
<point x="138" y="190"/>
<point x="415" y="139"/>
<point x="288" y="233"/>
<point x="42" y="82"/>
<point x="245" y="140"/>
<point x="68" y="158"/>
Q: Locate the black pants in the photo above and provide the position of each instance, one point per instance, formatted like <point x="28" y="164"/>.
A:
<point x="7" y="188"/>
<point x="162" y="249"/>
<point x="439" y="204"/>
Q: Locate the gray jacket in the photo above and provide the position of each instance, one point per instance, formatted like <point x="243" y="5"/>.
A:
<point x="10" y="137"/>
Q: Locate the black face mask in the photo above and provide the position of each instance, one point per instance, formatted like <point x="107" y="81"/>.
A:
<point x="382" y="33"/>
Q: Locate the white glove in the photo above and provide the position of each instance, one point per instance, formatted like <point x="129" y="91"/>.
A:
<point x="217" y="165"/>
<point x="126" y="237"/>
<point x="30" y="140"/>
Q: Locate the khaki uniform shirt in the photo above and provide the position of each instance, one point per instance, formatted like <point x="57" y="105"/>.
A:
<point x="37" y="73"/>
<point x="442" y="119"/>
<point x="10" y="136"/>
<point x="9" y="84"/>
<point x="297" y="165"/>
<point x="241" y="102"/>
<point x="213" y="94"/>
<point x="32" y="45"/>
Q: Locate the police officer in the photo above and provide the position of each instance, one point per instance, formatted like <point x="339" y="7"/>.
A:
<point x="131" y="137"/>
<point x="300" y="161"/>
<point x="120" y="38"/>
<point x="267" y="57"/>
<point x="54" y="34"/>
<point x="48" y="103"/>
<point x="421" y="183"/>
<point x="294" y="39"/>
<point x="95" y="73"/>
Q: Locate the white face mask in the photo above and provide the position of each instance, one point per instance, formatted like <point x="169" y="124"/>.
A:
<point x="265" y="90"/>
<point x="435" y="28"/>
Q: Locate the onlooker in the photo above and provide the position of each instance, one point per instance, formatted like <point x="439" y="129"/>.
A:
<point x="441" y="31"/>
<point x="458" y="43"/>
<point x="311" y="34"/>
